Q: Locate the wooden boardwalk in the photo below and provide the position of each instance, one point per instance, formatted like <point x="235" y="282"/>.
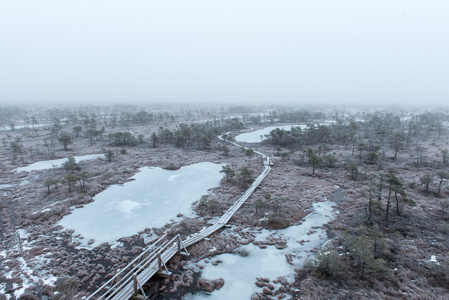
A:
<point x="129" y="280"/>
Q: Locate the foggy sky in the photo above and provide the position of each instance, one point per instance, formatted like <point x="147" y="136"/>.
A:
<point x="318" y="51"/>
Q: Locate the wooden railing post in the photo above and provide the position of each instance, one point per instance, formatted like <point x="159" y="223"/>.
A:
<point x="135" y="284"/>
<point x="159" y="261"/>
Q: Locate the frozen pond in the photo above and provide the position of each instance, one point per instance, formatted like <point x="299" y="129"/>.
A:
<point x="254" y="137"/>
<point x="5" y="186"/>
<point x="4" y="128"/>
<point x="48" y="164"/>
<point x="152" y="199"/>
<point x="240" y="272"/>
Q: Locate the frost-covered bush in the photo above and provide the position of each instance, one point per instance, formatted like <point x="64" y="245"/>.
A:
<point x="67" y="287"/>
<point x="25" y="297"/>
<point x="366" y="247"/>
<point x="242" y="252"/>
<point x="172" y="166"/>
<point x="276" y="221"/>
<point x="328" y="262"/>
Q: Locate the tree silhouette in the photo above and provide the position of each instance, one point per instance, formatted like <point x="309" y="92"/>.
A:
<point x="313" y="159"/>
<point x="426" y="180"/>
<point x="228" y="171"/>
<point x="70" y="165"/>
<point x="250" y="153"/>
<point x="65" y="139"/>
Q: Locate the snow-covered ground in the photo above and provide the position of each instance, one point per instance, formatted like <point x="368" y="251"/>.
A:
<point x="29" y="276"/>
<point x="152" y="199"/>
<point x="240" y="271"/>
<point x="48" y="164"/>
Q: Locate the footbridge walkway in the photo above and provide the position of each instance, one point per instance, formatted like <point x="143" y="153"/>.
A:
<point x="129" y="280"/>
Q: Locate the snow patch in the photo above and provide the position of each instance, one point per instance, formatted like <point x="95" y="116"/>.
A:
<point x="172" y="178"/>
<point x="433" y="259"/>
<point x="127" y="206"/>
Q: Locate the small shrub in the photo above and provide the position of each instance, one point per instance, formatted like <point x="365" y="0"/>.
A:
<point x="375" y="267"/>
<point x="25" y="296"/>
<point x="396" y="237"/>
<point x="172" y="167"/>
<point x="242" y="252"/>
<point x="107" y="175"/>
<point x="328" y="263"/>
<point x="210" y="205"/>
<point x="203" y="202"/>
<point x="444" y="205"/>
<point x="277" y="222"/>
<point x="365" y="248"/>
<point x="67" y="286"/>
<point x="443" y="226"/>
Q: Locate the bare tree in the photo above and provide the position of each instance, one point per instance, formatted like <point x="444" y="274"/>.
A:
<point x="443" y="175"/>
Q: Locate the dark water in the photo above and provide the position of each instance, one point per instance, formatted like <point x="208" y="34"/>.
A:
<point x="154" y="293"/>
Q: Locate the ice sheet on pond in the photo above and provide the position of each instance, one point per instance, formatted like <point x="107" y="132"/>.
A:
<point x="5" y="128"/>
<point x="5" y="186"/>
<point x="151" y="200"/>
<point x="240" y="272"/>
<point x="254" y="137"/>
<point x="48" y="164"/>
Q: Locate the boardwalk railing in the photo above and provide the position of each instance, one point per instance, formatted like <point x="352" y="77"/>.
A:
<point x="230" y="212"/>
<point x="107" y="289"/>
<point x="126" y="283"/>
